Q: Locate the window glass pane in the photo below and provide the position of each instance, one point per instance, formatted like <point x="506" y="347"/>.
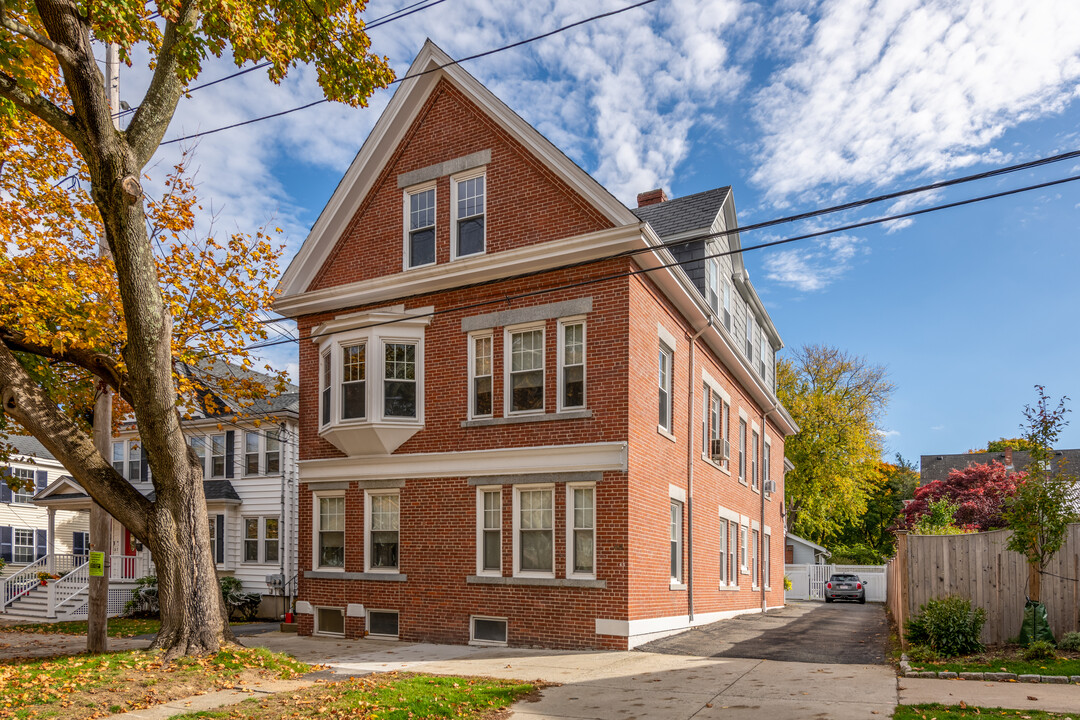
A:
<point x="676" y="540"/>
<point x="573" y="365"/>
<point x="400" y="385"/>
<point x="354" y="374"/>
<point x="470" y="236"/>
<point x="118" y="456"/>
<point x="421" y="247"/>
<point x="383" y="623"/>
<point x="470" y="197"/>
<point x="24" y="546"/>
<point x="326" y="388"/>
<point x="584" y="537"/>
<point x="492" y="550"/>
<point x="271" y="540"/>
<point x="664" y="383"/>
<point x="199" y="446"/>
<point x="384" y="531"/>
<point x="331" y="620"/>
<point x="536" y="541"/>
<point x="251" y="539"/>
<point x="332" y="532"/>
<point x="481" y="368"/>
<point x="133" y="461"/>
<point x="273" y="451"/>
<point x="489" y="630"/>
<point x="217" y="455"/>
<point x="251" y="453"/>
<point x="422" y="209"/>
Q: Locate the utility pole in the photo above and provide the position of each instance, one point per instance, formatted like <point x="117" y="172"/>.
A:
<point x="100" y="521"/>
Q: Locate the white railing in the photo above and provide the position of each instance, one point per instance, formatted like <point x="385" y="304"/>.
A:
<point x="66" y="562"/>
<point x="130" y="567"/>
<point x="72" y="584"/>
<point x="22" y="582"/>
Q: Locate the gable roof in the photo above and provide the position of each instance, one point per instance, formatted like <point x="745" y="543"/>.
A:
<point x="806" y="542"/>
<point x="429" y="67"/>
<point x="215" y="402"/>
<point x="28" y="446"/>
<point x="938" y="467"/>
<point x="688" y="213"/>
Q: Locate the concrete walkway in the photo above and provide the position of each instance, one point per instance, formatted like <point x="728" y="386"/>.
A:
<point x="1016" y="696"/>
<point x="626" y="685"/>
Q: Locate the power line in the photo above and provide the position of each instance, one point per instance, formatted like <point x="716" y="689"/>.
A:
<point x="476" y="56"/>
<point x="665" y="266"/>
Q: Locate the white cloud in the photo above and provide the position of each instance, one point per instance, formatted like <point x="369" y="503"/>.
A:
<point x="887" y="433"/>
<point x="890" y="87"/>
<point x="808" y="269"/>
<point x="937" y="428"/>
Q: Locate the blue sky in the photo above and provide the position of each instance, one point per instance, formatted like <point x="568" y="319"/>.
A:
<point x="797" y="105"/>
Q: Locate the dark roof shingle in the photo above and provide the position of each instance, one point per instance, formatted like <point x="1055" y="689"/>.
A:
<point x="683" y="214"/>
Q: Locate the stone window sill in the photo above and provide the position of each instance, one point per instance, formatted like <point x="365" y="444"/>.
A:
<point x="542" y="582"/>
<point x="538" y="417"/>
<point x="331" y="575"/>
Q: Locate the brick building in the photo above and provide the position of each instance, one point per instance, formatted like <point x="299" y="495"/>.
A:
<point x="529" y="415"/>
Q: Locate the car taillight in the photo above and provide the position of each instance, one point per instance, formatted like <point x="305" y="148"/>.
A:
<point x="858" y="586"/>
<point x="828" y="585"/>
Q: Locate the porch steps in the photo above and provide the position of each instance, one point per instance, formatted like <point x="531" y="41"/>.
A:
<point x="34" y="605"/>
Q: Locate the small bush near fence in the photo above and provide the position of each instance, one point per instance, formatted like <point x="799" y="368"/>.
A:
<point x="947" y="625"/>
<point x="1070" y="641"/>
<point x="1039" y="650"/>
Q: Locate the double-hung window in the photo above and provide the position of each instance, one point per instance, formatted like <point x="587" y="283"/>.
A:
<point x="742" y="549"/>
<point x="198" y="444"/>
<point x="723" y="537"/>
<point x="134" y="461"/>
<point x="712" y="283"/>
<point x="217" y="455"/>
<point x="324" y="394"/>
<point x="399" y="386"/>
<point x="676" y="540"/>
<point x="766" y="459"/>
<point x="383" y="535"/>
<point x="742" y="451"/>
<point x="727" y="304"/>
<point x="526" y="351"/>
<point x="420" y="227"/>
<point x="489" y="531"/>
<point x="261" y="540"/>
<point x="251" y="453"/>
<point x="353" y="381"/>
<point x="750" y="336"/>
<point x="754" y="459"/>
<point x="534" y="531"/>
<point x="26" y="490"/>
<point x="272" y="452"/>
<point x="581" y="525"/>
<point x="754" y="549"/>
<point x="118" y="457"/>
<point x="766" y="558"/>
<point x="571" y="364"/>
<point x="480" y="385"/>
<point x="468" y="203"/>
<point x="664" y="366"/>
<point x="330" y="531"/>
<point x="23" y="549"/>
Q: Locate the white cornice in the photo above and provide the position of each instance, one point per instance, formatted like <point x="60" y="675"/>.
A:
<point x="502" y="461"/>
<point x="460" y="272"/>
<point x="387" y="134"/>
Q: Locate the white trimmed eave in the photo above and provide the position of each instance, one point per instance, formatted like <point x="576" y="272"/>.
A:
<point x="680" y="290"/>
<point x="36" y="462"/>
<point x="587" y="457"/>
<point x="481" y="268"/>
<point x="384" y="139"/>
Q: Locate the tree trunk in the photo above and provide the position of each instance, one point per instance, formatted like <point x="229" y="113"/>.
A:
<point x="1034" y="582"/>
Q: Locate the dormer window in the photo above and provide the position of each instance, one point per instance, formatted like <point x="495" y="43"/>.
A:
<point x="420" y="226"/>
<point x="468" y="206"/>
<point x="362" y="419"/>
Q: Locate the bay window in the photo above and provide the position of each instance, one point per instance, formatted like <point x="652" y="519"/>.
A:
<point x="354" y="381"/>
<point x="399" y="385"/>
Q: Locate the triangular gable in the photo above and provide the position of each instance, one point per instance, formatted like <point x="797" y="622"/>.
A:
<point x="389" y="131"/>
<point x="63" y="485"/>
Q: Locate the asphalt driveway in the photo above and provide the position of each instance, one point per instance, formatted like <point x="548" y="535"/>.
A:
<point x="813" y="632"/>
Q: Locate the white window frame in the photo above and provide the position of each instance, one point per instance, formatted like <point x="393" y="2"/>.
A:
<point x="730" y="581"/>
<point x="258" y="453"/>
<point x="481" y="530"/>
<point x="755" y="465"/>
<point x="750" y="339"/>
<point x="368" y="495"/>
<point x="755" y="569"/>
<point x="677" y="581"/>
<point x="418" y="366"/>
<point x="406" y="194"/>
<point x="561" y="350"/>
<point x="316" y="530"/>
<point x="744" y="438"/>
<point x="15" y="545"/>
<point x="224" y="455"/>
<point x="712" y="390"/>
<point x="473" y="338"/>
<point x="487" y="643"/>
<point x="454" y="180"/>
<point x="202" y="443"/>
<point x="725" y="537"/>
<point x="712" y="281"/>
<point x="766" y="556"/>
<point x="508" y="390"/>
<point x="276" y="432"/>
<point x="260" y="540"/>
<point x="326" y="387"/>
<point x="518" y="489"/>
<point x="766" y="463"/>
<point x="744" y="555"/>
<point x="571" y="528"/>
<point x="661" y="386"/>
<point x="319" y="631"/>
<point x="28" y="491"/>
<point x="339" y="386"/>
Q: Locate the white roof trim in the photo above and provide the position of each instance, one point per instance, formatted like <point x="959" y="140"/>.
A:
<point x="384" y="139"/>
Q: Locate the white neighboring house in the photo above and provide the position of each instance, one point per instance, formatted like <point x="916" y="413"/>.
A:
<point x="249" y="461"/>
<point x="800" y="551"/>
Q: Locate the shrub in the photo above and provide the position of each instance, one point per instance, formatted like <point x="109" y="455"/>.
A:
<point x="787" y="583"/>
<point x="921" y="653"/>
<point x="1039" y="650"/>
<point x="144" y="598"/>
<point x="855" y="554"/>
<point x="1070" y="641"/>
<point x="236" y="600"/>
<point x="947" y="625"/>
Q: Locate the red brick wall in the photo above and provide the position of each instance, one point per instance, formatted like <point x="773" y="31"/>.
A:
<point x="526" y="202"/>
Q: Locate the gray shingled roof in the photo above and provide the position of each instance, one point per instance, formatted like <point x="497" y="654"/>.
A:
<point x="30" y="446"/>
<point x="212" y="490"/>
<point x="938" y="467"/>
<point x="690" y="212"/>
<point x="215" y="371"/>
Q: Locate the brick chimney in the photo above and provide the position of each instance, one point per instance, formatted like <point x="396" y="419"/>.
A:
<point x="651" y="197"/>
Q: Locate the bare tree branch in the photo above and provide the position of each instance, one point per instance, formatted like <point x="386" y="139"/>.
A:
<point x="62" y="53"/>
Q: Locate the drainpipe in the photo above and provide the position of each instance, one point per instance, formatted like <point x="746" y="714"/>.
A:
<point x="761" y="533"/>
<point x="690" y="477"/>
<point x="284" y="530"/>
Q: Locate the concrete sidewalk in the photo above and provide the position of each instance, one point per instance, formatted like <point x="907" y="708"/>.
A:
<point x="1015" y="696"/>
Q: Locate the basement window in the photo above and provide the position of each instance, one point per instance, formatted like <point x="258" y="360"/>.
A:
<point x="488" y="631"/>
<point x="383" y="623"/>
<point x="330" y="621"/>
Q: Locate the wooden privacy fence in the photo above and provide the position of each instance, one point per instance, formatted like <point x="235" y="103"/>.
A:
<point x="978" y="567"/>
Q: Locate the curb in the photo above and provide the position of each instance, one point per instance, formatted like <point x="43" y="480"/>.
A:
<point x="907" y="671"/>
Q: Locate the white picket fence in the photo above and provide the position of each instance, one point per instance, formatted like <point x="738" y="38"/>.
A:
<point x="808" y="581"/>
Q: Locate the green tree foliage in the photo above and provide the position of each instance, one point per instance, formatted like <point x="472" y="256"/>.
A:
<point x="837" y="399"/>
<point x="868" y="540"/>
<point x="1003" y="444"/>
<point x="1046" y="501"/>
<point x="938" y="519"/>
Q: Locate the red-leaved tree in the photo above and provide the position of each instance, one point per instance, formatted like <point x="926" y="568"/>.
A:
<point x="980" y="492"/>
